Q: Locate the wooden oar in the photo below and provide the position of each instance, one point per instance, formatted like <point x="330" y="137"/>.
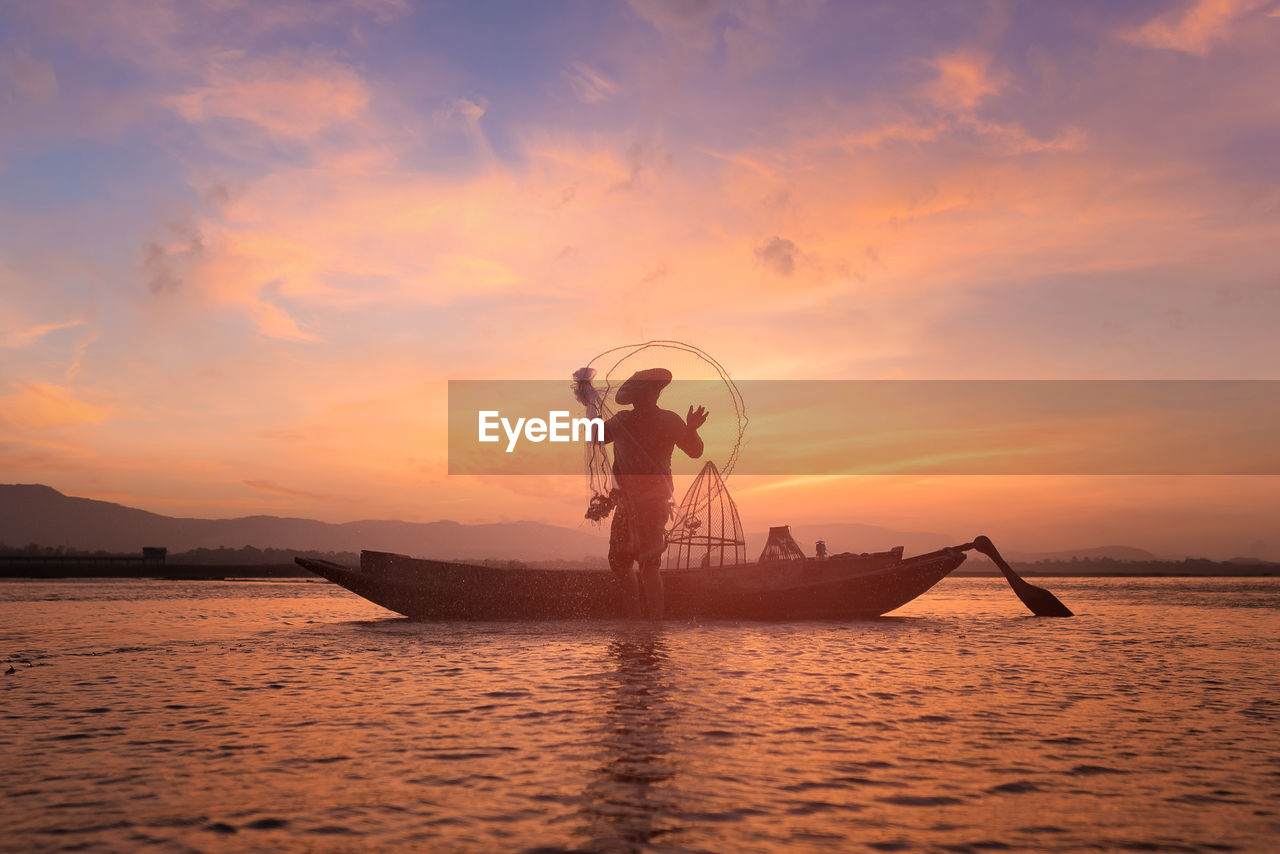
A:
<point x="1041" y="602"/>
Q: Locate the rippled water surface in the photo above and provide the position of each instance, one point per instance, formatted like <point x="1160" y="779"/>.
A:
<point x="265" y="716"/>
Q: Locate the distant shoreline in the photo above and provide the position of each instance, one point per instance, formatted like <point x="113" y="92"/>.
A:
<point x="170" y="572"/>
<point x="268" y="572"/>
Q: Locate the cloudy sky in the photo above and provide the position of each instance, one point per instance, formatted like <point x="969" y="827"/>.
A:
<point x="243" y="246"/>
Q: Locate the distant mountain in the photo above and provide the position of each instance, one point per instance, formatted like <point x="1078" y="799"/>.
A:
<point x="40" y="514"/>
<point x="1251" y="561"/>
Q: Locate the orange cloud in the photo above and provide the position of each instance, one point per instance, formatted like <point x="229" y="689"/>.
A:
<point x="40" y="406"/>
<point x="272" y="488"/>
<point x="963" y="79"/>
<point x="29" y="336"/>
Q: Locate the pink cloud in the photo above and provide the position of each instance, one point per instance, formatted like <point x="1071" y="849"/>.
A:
<point x="27" y="77"/>
<point x="289" y="98"/>
<point x="1195" y="27"/>
<point x="589" y="85"/>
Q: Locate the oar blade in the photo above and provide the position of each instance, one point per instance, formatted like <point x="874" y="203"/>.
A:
<point x="1041" y="602"/>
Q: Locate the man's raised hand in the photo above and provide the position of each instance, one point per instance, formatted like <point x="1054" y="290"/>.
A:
<point x="696" y="419"/>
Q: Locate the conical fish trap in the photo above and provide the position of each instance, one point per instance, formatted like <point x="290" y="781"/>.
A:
<point x="781" y="546"/>
<point x="706" y="530"/>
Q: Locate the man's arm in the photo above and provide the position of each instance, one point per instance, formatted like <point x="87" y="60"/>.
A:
<point x="688" y="439"/>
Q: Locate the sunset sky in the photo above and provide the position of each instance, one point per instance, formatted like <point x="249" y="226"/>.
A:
<point x="244" y="246"/>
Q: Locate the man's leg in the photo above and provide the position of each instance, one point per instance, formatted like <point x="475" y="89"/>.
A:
<point x="626" y="575"/>
<point x="651" y="569"/>
<point x="621" y="561"/>
<point x="650" y="539"/>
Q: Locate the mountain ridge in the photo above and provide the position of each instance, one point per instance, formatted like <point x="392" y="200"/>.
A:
<point x="36" y="513"/>
<point x="43" y="515"/>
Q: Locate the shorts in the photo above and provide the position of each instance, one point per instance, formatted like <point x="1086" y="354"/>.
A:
<point x="639" y="530"/>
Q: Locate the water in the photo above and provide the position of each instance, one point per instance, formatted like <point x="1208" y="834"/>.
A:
<point x="240" y="716"/>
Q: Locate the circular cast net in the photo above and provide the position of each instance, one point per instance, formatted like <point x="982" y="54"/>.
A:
<point x="696" y="376"/>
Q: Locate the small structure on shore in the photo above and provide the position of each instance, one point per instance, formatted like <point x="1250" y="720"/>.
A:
<point x="52" y="564"/>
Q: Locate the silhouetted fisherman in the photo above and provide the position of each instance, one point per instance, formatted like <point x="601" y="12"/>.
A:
<point x="643" y="438"/>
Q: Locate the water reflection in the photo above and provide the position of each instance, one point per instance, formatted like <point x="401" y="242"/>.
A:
<point x="630" y="800"/>
<point x="191" y="724"/>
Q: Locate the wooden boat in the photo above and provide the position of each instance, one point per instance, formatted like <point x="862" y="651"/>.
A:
<point x="840" y="586"/>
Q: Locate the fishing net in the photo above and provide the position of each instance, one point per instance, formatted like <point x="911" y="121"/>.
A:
<point x="706" y="530"/>
<point x="696" y="374"/>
